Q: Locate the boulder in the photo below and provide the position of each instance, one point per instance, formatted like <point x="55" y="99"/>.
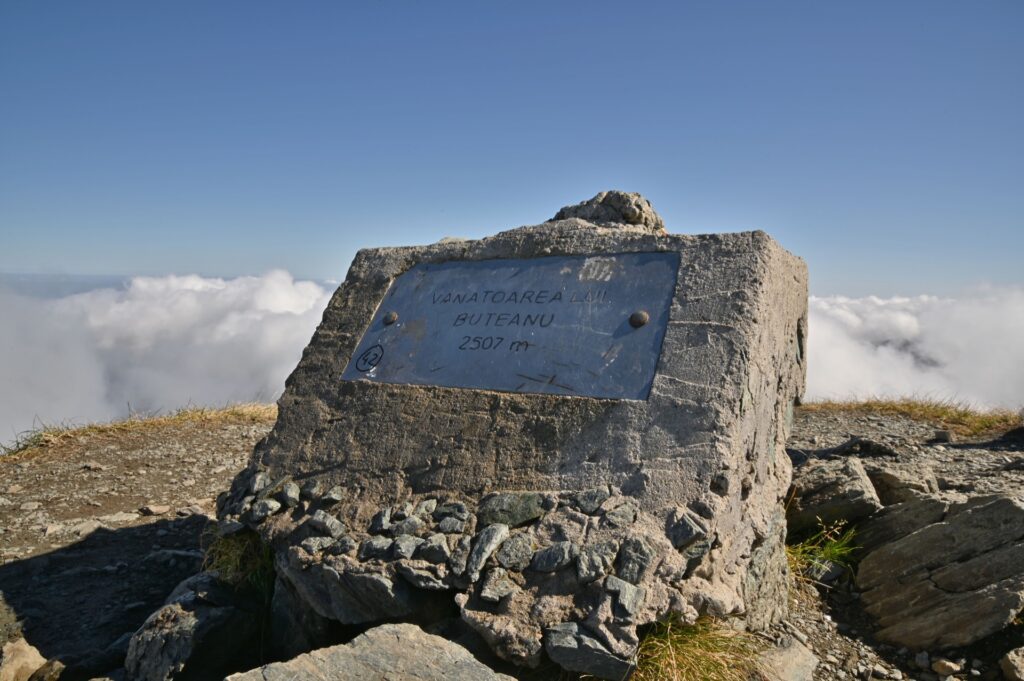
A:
<point x="829" y="490"/>
<point x="790" y="661"/>
<point x="391" y="651"/>
<point x="19" y="660"/>
<point x="1012" y="665"/>
<point x="949" y="582"/>
<point x="204" y="625"/>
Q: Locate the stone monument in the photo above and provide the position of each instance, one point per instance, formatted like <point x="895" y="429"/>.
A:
<point x="561" y="432"/>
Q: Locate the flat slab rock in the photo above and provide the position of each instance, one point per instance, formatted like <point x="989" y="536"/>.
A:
<point x="395" y="652"/>
<point x="949" y="575"/>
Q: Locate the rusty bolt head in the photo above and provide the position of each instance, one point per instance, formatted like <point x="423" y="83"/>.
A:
<point x="390" y="318"/>
<point x="639" y="318"/>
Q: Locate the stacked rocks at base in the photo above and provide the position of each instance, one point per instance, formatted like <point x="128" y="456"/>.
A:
<point x="556" y="523"/>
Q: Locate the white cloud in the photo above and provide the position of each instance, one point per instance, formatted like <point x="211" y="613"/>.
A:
<point x="166" y="342"/>
<point x="156" y="345"/>
<point x="970" y="347"/>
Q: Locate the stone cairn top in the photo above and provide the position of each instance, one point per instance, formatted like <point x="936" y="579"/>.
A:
<point x="615" y="207"/>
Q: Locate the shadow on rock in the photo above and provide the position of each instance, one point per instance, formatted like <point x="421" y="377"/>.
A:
<point x="81" y="603"/>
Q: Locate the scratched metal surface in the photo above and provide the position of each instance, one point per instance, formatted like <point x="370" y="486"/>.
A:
<point x="555" y="325"/>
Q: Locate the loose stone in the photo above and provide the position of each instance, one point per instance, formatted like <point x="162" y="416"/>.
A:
<point x="497" y="585"/>
<point x="452" y="525"/>
<point x="516" y="553"/>
<point x="426" y="507"/>
<point x="574" y="649"/>
<point x="404" y="511"/>
<point x="258" y="482"/>
<point x="635" y="559"/>
<point x="512" y="508"/>
<point x="622" y="515"/>
<point x="290" y="494"/>
<point x="375" y="547"/>
<point x="554" y="557"/>
<point x="310" y="489"/>
<point x="381" y="522"/>
<point x="630" y="598"/>
<point x="333" y="495"/>
<point x="590" y="500"/>
<point x="314" y="545"/>
<point x="410" y="525"/>
<point x="460" y="556"/>
<point x="344" y="546"/>
<point x="685" y="530"/>
<point x="422" y="578"/>
<point x="322" y="521"/>
<point x="455" y="510"/>
<point x="405" y="546"/>
<point x="486" y="542"/>
<point x="261" y="510"/>
<point x="434" y="549"/>
<point x="595" y="561"/>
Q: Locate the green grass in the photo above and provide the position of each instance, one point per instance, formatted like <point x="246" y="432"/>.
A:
<point x="959" y="417"/>
<point x="704" y="651"/>
<point x="51" y="435"/>
<point x="831" y="544"/>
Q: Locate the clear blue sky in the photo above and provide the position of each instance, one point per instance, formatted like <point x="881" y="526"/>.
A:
<point x="882" y="141"/>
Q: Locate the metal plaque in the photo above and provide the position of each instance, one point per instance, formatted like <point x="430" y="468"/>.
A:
<point x="569" y="325"/>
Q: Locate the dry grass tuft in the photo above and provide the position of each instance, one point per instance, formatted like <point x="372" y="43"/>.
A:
<point x="704" y="651"/>
<point x="50" y="435"/>
<point x="241" y="560"/>
<point x="959" y="417"/>
<point x="830" y="545"/>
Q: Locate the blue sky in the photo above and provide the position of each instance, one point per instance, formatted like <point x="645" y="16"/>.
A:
<point x="882" y="141"/>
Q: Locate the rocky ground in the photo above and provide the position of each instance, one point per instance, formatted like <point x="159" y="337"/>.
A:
<point x="80" y="517"/>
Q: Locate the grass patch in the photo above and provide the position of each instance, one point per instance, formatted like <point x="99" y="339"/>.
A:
<point x="241" y="560"/>
<point x="704" y="651"/>
<point x="959" y="417"/>
<point x="51" y="435"/>
<point x="832" y="545"/>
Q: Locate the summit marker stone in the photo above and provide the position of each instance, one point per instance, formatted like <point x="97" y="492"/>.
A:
<point x="592" y="383"/>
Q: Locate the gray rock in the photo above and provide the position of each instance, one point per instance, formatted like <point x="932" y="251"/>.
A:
<point x="405" y="546"/>
<point x="381" y="522"/>
<point x="572" y="648"/>
<point x="333" y="495"/>
<point x="516" y="553"/>
<point x="487" y="541"/>
<point x="310" y="490"/>
<point x="969" y="567"/>
<point x="622" y="515"/>
<point x="615" y="208"/>
<point x="1012" y="665"/>
<point x="630" y="598"/>
<point x="684" y="529"/>
<point x="596" y="560"/>
<point x="258" y="481"/>
<point x="409" y="525"/>
<point x="791" y="661"/>
<point x="290" y="494"/>
<point x="203" y="626"/>
<point x="344" y="546"/>
<point x="261" y="510"/>
<point x="455" y="510"/>
<point x="391" y="651"/>
<point x="375" y="547"/>
<point x="425" y="507"/>
<point x="591" y="499"/>
<point x="497" y="585"/>
<point x="294" y="628"/>
<point x="18" y="659"/>
<point x="896" y="482"/>
<point x="554" y="557"/>
<point x="423" y="576"/>
<point x="636" y="559"/>
<point x="460" y="556"/>
<point x="434" y="549"/>
<point x="826" y="491"/>
<point x="512" y="508"/>
<point x="354" y="593"/>
<point x="324" y="522"/>
<point x="451" y="525"/>
<point x="314" y="545"/>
